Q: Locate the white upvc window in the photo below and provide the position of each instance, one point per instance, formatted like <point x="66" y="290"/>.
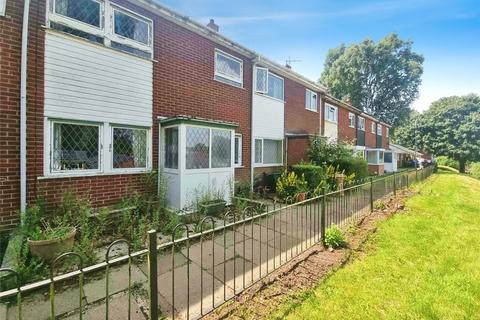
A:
<point x="3" y="4"/>
<point x="207" y="148"/>
<point x="361" y="123"/>
<point x="387" y="132"/>
<point x="268" y="152"/>
<point x="375" y="157"/>
<point x="379" y="129"/>
<point x="238" y="150"/>
<point x="228" y="68"/>
<point x="331" y="113"/>
<point x="103" y="22"/>
<point x="351" y="120"/>
<point x="171" y="146"/>
<point x="268" y="83"/>
<point x="311" y="100"/>
<point x="85" y="148"/>
<point x="373" y="127"/>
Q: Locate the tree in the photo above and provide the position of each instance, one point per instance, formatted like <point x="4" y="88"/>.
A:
<point x="381" y="78"/>
<point x="450" y="127"/>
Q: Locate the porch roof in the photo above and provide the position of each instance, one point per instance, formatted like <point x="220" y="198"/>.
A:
<point x="180" y="119"/>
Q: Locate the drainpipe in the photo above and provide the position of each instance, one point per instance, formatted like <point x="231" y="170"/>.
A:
<point x="252" y="139"/>
<point x="23" y="109"/>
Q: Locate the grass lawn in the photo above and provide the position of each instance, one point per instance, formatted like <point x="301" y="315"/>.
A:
<point x="422" y="264"/>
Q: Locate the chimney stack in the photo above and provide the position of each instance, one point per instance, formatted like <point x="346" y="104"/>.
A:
<point x="212" y="25"/>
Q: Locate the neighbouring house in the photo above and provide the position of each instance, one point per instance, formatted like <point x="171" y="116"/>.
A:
<point x="398" y="157"/>
<point x="114" y="89"/>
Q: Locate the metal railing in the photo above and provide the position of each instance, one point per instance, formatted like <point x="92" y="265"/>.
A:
<point x="210" y="267"/>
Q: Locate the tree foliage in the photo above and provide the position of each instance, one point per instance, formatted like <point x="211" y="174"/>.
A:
<point x="450" y="127"/>
<point x="381" y="78"/>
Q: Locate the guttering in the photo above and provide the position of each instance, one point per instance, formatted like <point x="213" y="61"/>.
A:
<point x="23" y="109"/>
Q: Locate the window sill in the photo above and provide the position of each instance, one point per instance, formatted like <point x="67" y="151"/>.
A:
<point x="90" y="174"/>
<point x="239" y="166"/>
<point x="316" y="111"/>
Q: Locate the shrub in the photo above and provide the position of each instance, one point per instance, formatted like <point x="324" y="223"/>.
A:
<point x="289" y="184"/>
<point x="474" y="169"/>
<point x="354" y="165"/>
<point x="313" y="174"/>
<point x="334" y="237"/>
<point x="446" y="161"/>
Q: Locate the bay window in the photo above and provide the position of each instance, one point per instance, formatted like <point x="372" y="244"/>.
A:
<point x="268" y="83"/>
<point x="228" y="68"/>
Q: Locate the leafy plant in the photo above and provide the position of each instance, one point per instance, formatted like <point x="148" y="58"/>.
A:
<point x="446" y="161"/>
<point x="474" y="169"/>
<point x="379" y="205"/>
<point x="334" y="237"/>
<point x="289" y="184"/>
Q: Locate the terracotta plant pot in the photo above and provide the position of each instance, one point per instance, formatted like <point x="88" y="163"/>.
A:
<point x="302" y="196"/>
<point x="50" y="249"/>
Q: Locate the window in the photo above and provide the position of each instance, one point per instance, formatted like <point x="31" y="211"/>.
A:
<point x="388" y="157"/>
<point x="75" y="147"/>
<point x="351" y="120"/>
<point x="221" y="149"/>
<point x="311" y="100"/>
<point x="125" y="31"/>
<point x="171" y="148"/>
<point x="268" y="151"/>
<point x="380" y="157"/>
<point x="129" y="148"/>
<point x="373" y="127"/>
<point x="3" y="4"/>
<point x="331" y="113"/>
<point x="208" y="148"/>
<point x="379" y="129"/>
<point x="228" y="68"/>
<point x="268" y="83"/>
<point x="238" y="150"/>
<point x="372" y="157"/>
<point x="258" y="150"/>
<point x="388" y="132"/>
<point x="361" y="123"/>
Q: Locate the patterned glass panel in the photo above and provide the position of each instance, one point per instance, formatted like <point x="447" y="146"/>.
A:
<point x="197" y="156"/>
<point x="275" y="87"/>
<point x="228" y="67"/>
<point x="238" y="150"/>
<point x="130" y="27"/>
<point x="221" y="148"/>
<point x="86" y="11"/>
<point x="129" y="148"/>
<point x="171" y="148"/>
<point x="272" y="150"/>
<point x="258" y="151"/>
<point x="261" y="80"/>
<point x="75" y="147"/>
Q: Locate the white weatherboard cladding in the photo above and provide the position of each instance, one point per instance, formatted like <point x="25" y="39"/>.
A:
<point x="85" y="81"/>
<point x="331" y="131"/>
<point x="268" y="117"/>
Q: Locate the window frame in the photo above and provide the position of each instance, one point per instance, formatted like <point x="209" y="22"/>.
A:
<point x="147" y="147"/>
<point x="309" y="94"/>
<point x="351" y="120"/>
<point x="265" y="93"/>
<point x="387" y="132"/>
<point x="76" y="24"/>
<point x="379" y="130"/>
<point x="226" y="78"/>
<point x="163" y="149"/>
<point x="3" y="7"/>
<point x="373" y="128"/>
<point x="262" y="163"/>
<point x="51" y="149"/>
<point x="335" y="113"/>
<point x="239" y="164"/>
<point x="361" y="123"/>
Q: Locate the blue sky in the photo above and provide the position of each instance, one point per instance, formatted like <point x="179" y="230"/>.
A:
<point x="446" y="32"/>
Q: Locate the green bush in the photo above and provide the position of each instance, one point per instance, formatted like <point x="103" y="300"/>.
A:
<point x="313" y="174"/>
<point x="446" y="161"/>
<point x="334" y="237"/>
<point x="354" y="165"/>
<point x="474" y="169"/>
<point x="289" y="184"/>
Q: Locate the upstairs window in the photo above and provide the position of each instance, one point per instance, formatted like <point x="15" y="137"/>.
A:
<point x="331" y="113"/>
<point x="311" y="102"/>
<point x="351" y="120"/>
<point x="268" y="83"/>
<point x="388" y="132"/>
<point x="379" y="129"/>
<point x="361" y="123"/>
<point x="130" y="26"/>
<point x="84" y="11"/>
<point x="373" y="127"/>
<point x="228" y="68"/>
<point x="3" y="4"/>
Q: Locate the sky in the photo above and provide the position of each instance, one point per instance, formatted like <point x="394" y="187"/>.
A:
<point x="445" y="32"/>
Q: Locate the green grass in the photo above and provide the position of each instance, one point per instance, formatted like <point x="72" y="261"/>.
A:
<point x="423" y="264"/>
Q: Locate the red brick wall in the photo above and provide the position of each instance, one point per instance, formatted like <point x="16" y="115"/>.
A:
<point x="297" y="150"/>
<point x="376" y="169"/>
<point x="297" y="118"/>
<point x="345" y="132"/>
<point x="385" y="139"/>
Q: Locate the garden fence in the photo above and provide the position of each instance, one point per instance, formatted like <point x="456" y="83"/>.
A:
<point x="190" y="276"/>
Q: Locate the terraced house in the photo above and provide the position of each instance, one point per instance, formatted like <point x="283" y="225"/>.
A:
<point x="96" y="93"/>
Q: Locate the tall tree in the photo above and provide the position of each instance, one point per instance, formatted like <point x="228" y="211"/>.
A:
<point x="450" y="127"/>
<point x="380" y="78"/>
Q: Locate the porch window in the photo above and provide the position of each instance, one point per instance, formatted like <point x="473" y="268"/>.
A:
<point x="171" y="148"/>
<point x="221" y="149"/>
<point x="228" y="68"/>
<point x="388" y="157"/>
<point x="351" y="120"/>
<point x="198" y="148"/>
<point x="372" y="157"/>
<point x="84" y="11"/>
<point x="129" y="148"/>
<point x="238" y="150"/>
<point x="311" y="100"/>
<point x="75" y="147"/>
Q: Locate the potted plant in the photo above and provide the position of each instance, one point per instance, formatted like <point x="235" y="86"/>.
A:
<point x="212" y="203"/>
<point x="51" y="239"/>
